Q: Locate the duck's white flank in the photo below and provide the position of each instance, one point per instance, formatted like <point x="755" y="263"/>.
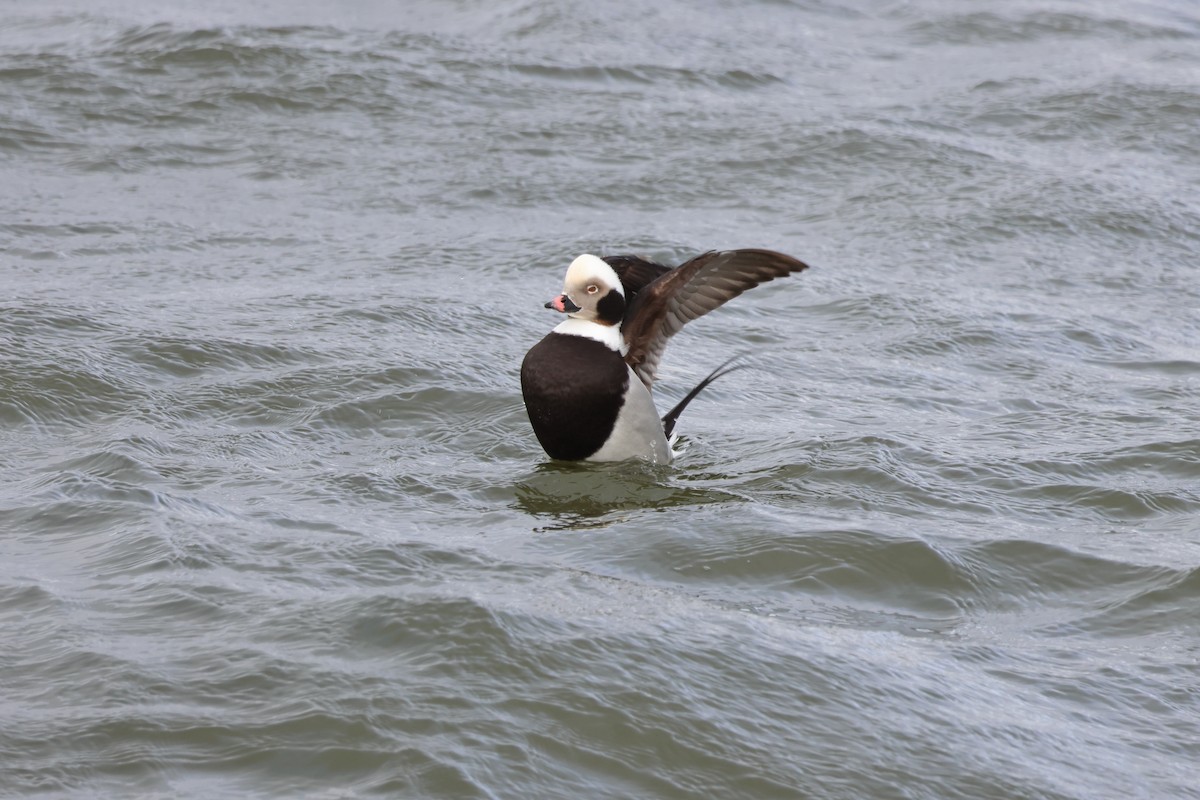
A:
<point x="638" y="432"/>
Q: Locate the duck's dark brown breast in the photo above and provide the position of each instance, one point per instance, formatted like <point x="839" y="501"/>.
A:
<point x="574" y="388"/>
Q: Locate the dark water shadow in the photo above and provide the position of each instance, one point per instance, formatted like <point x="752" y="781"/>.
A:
<point x="580" y="495"/>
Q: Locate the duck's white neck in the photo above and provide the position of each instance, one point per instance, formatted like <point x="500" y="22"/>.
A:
<point x="609" y="335"/>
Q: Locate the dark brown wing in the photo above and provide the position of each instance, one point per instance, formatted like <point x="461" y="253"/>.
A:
<point x="635" y="273"/>
<point x="689" y="291"/>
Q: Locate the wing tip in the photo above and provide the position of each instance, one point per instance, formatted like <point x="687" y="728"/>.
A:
<point x="781" y="262"/>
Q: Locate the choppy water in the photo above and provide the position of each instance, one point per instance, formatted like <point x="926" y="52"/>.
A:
<point x="272" y="521"/>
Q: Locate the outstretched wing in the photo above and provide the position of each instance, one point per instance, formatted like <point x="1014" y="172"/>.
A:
<point x="689" y="291"/>
<point x="635" y="273"/>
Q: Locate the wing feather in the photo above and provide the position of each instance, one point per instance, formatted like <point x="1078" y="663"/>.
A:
<point x="635" y="272"/>
<point x="675" y="297"/>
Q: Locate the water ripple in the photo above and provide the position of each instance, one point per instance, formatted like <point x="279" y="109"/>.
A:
<point x="272" y="519"/>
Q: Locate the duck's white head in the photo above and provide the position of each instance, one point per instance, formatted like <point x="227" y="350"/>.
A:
<point x="592" y="291"/>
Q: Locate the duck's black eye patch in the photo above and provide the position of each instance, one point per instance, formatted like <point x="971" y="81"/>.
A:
<point x="611" y="307"/>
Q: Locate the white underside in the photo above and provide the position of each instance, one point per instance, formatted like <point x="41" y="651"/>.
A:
<point x="638" y="432"/>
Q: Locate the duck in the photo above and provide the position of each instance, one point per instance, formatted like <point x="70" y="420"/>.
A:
<point x="587" y="386"/>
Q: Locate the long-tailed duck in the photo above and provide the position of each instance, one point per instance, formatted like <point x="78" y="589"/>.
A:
<point x="587" y="384"/>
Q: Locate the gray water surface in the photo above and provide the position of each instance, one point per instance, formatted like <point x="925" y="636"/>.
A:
<point x="272" y="519"/>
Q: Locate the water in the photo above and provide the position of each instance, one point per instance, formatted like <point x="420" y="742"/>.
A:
<point x="273" y="520"/>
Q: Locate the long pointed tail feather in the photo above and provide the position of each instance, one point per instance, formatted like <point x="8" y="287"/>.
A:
<point x="671" y="416"/>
